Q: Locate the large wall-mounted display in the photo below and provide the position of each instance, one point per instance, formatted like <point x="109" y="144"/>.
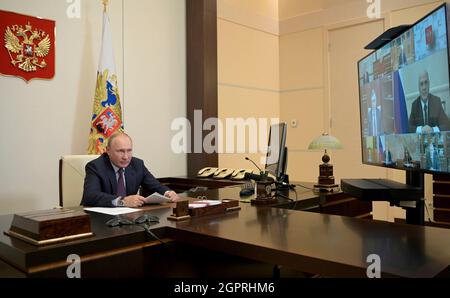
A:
<point x="405" y="99"/>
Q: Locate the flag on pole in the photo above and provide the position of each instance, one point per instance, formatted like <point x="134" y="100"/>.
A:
<point x="400" y="111"/>
<point x="107" y="112"/>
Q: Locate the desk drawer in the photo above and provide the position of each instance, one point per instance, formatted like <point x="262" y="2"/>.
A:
<point x="441" y="215"/>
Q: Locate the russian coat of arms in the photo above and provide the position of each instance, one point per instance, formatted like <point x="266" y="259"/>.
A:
<point x="28" y="46"/>
<point x="22" y="48"/>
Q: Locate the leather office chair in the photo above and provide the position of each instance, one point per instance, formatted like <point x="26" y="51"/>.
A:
<point x="71" y="178"/>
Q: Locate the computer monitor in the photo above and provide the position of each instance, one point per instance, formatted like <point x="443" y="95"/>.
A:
<point x="276" y="158"/>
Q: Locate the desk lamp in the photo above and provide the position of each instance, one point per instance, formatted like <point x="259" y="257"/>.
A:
<point x="326" y="179"/>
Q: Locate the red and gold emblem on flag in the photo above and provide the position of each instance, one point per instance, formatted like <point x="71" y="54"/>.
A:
<point x="28" y="49"/>
<point x="107" y="123"/>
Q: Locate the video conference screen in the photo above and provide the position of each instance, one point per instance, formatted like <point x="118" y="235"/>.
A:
<point x="405" y="99"/>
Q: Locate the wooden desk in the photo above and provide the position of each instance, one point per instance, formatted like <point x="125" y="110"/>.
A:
<point x="325" y="244"/>
<point x="183" y="184"/>
<point x="302" y="198"/>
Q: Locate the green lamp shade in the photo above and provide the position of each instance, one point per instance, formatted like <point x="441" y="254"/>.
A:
<point x="325" y="142"/>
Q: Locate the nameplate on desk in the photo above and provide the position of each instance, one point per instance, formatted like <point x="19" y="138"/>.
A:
<point x="50" y="226"/>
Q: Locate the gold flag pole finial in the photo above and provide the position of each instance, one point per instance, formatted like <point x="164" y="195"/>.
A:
<point x="105" y="3"/>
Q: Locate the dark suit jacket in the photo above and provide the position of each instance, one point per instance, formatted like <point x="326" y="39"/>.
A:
<point x="436" y="114"/>
<point x="100" y="183"/>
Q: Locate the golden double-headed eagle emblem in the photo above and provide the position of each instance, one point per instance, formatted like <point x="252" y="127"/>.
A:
<point x="27" y="47"/>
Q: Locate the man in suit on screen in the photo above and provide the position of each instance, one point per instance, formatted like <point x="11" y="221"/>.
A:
<point x="427" y="114"/>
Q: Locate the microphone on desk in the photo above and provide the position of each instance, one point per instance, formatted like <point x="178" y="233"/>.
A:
<point x="246" y="158"/>
<point x="263" y="176"/>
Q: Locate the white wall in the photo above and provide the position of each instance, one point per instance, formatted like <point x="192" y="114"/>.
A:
<point x="302" y="99"/>
<point x="155" y="80"/>
<point x="248" y="70"/>
<point x="44" y="119"/>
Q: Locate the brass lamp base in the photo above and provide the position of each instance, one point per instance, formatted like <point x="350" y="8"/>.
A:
<point x="325" y="182"/>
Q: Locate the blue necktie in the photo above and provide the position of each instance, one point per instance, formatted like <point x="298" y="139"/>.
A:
<point x="121" y="184"/>
<point x="425" y="109"/>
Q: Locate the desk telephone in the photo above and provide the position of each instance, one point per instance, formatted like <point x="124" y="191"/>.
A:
<point x="206" y="172"/>
<point x="239" y="174"/>
<point x="223" y="173"/>
<point x="216" y="173"/>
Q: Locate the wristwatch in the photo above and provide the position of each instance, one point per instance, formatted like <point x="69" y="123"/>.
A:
<point x="120" y="202"/>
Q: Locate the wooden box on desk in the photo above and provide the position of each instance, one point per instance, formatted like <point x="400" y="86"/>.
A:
<point x="50" y="226"/>
<point x="224" y="206"/>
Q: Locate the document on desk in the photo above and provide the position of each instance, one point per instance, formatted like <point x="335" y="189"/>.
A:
<point x="156" y="198"/>
<point x="204" y="203"/>
<point x="112" y="210"/>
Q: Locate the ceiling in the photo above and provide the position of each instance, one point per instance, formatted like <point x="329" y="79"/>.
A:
<point x="292" y="8"/>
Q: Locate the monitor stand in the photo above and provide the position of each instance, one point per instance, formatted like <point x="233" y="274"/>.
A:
<point x="416" y="215"/>
<point x="282" y="183"/>
<point x="409" y="196"/>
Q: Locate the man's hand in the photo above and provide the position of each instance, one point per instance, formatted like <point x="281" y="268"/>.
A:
<point x="134" y="201"/>
<point x="172" y="195"/>
<point x="427" y="129"/>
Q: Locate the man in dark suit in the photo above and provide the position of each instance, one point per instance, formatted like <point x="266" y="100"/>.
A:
<point x="114" y="178"/>
<point x="427" y="114"/>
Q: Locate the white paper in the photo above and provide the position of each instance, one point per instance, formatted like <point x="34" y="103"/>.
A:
<point x="156" y="198"/>
<point x="204" y="203"/>
<point x="208" y="202"/>
<point x="112" y="210"/>
<point x="197" y="205"/>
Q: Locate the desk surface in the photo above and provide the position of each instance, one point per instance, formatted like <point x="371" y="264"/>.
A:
<point x="311" y="242"/>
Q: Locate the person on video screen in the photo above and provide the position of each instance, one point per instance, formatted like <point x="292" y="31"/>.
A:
<point x="374" y="116"/>
<point x="427" y="114"/>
